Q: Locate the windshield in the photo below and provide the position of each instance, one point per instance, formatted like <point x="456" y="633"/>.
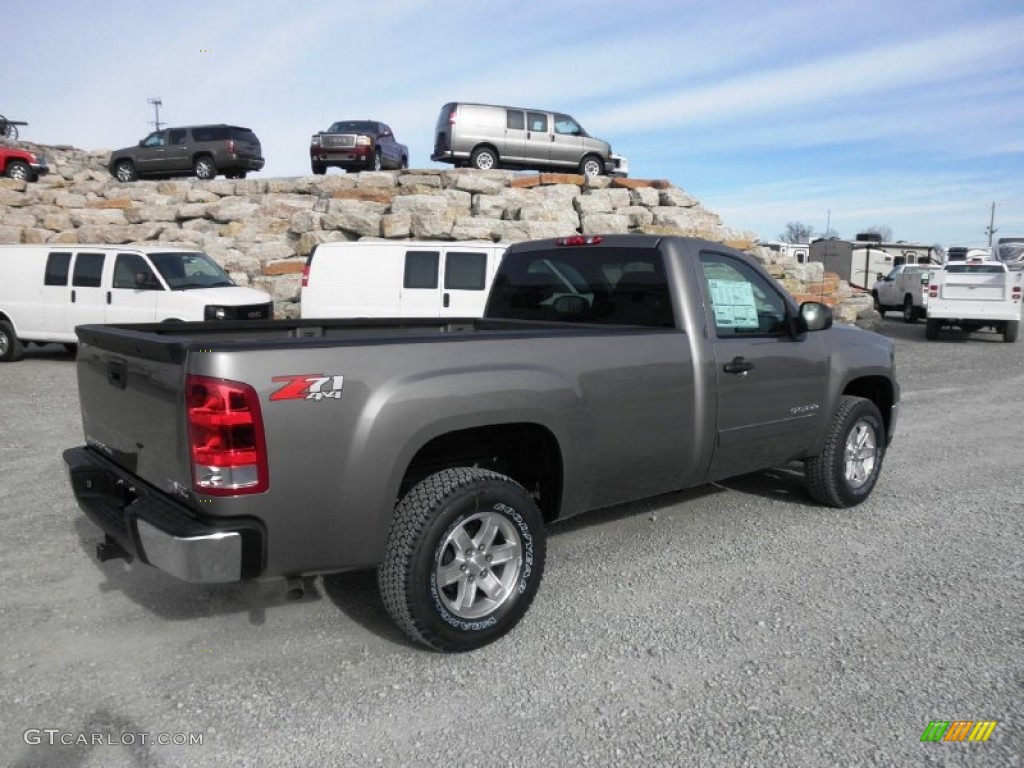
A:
<point x="183" y="270"/>
<point x="353" y="126"/>
<point x="1013" y="251"/>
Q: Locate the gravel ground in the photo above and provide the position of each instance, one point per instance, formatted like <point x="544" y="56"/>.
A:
<point x="731" y="625"/>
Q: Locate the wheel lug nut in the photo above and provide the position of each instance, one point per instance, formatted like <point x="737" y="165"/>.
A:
<point x="483" y="573"/>
<point x="489" y="558"/>
<point x="463" y="568"/>
<point x="471" y="579"/>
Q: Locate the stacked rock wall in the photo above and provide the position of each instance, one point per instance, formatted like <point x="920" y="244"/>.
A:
<point x="261" y="230"/>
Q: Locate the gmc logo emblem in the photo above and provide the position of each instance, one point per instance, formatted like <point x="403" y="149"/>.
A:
<point x="255" y="314"/>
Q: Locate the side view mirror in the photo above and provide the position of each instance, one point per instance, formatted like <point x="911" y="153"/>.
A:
<point x="815" y="316"/>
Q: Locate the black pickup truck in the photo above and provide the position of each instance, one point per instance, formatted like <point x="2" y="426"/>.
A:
<point x="357" y="145"/>
<point x="605" y="369"/>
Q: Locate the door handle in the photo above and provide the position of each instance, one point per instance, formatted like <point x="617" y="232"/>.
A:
<point x="738" y="365"/>
<point x="447" y="299"/>
<point x="72" y="297"/>
<point x="108" y="297"/>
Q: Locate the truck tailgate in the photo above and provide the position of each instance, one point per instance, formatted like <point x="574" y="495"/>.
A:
<point x="979" y="287"/>
<point x="132" y="407"/>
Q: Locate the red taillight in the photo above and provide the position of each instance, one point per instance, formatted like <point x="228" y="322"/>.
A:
<point x="305" y="275"/>
<point x="225" y="435"/>
<point x="933" y="291"/>
<point x="451" y="117"/>
<point x="231" y="146"/>
<point x="579" y="240"/>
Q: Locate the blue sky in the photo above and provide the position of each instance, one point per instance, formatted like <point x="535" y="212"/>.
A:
<point x="906" y="114"/>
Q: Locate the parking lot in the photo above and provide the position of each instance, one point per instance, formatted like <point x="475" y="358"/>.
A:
<point x="734" y="624"/>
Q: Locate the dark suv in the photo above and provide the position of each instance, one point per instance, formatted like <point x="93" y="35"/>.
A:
<point x="357" y="145"/>
<point x="195" y="150"/>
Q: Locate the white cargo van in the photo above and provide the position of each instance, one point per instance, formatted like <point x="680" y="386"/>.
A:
<point x="399" y="278"/>
<point x="46" y="290"/>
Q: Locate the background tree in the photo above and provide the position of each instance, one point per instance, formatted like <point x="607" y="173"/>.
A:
<point x="797" y="232"/>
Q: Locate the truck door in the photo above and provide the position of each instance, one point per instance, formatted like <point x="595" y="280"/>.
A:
<point x="889" y="288"/>
<point x="515" y="136"/>
<point x="129" y="301"/>
<point x="538" y="138"/>
<point x="465" y="283"/>
<point x="176" y="153"/>
<point x="56" y="294"/>
<point x="151" y="156"/>
<point x="421" y="288"/>
<point x="771" y="387"/>
<point x="88" y="296"/>
<point x="567" y="142"/>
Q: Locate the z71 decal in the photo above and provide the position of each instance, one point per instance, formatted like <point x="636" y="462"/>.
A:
<point x="308" y="386"/>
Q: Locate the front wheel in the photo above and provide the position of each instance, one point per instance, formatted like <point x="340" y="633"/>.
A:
<point x="377" y="162"/>
<point x="591" y="166"/>
<point x="464" y="559"/>
<point x="205" y="168"/>
<point x="18" y="169"/>
<point x="1010" y="331"/>
<point x="846" y="470"/>
<point x="11" y="346"/>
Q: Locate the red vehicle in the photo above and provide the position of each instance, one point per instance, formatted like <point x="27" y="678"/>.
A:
<point x="22" y="164"/>
<point x="357" y="145"/>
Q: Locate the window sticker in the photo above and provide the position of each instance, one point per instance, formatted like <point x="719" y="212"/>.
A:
<point x="733" y="302"/>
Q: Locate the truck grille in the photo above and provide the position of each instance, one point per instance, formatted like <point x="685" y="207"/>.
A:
<point x="338" y="140"/>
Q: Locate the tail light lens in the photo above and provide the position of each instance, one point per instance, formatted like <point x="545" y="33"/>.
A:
<point x="451" y="117"/>
<point x="305" y="270"/>
<point x="579" y="240"/>
<point x="225" y="435"/>
<point x="933" y="291"/>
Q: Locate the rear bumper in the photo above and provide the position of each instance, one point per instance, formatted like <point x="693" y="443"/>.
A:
<point x="152" y="526"/>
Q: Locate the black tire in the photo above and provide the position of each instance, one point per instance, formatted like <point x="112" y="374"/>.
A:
<point x="377" y="160"/>
<point x="591" y="166"/>
<point x="931" y="329"/>
<point x="204" y="168"/>
<point x="318" y="168"/>
<point x="832" y="477"/>
<point x="11" y="347"/>
<point x="71" y="348"/>
<point x="484" y="159"/>
<point x="1010" y="331"/>
<point x="910" y="312"/>
<point x="124" y="170"/>
<point x="478" y="507"/>
<point x="878" y="306"/>
<point x="19" y="169"/>
<point x="405" y="163"/>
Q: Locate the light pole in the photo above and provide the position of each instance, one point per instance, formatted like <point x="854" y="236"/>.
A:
<point x="155" y="101"/>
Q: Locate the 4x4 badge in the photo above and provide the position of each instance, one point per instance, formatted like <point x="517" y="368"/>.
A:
<point x="308" y="386"/>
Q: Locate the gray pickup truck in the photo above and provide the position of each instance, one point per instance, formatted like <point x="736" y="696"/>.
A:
<point x="606" y="369"/>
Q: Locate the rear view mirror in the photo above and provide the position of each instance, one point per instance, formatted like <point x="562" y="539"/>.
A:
<point x="815" y="316"/>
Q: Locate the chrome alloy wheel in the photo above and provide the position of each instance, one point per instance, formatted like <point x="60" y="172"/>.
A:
<point x="478" y="565"/>
<point x="860" y="454"/>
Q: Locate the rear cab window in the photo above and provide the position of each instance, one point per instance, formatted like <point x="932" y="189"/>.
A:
<point x="621" y="286"/>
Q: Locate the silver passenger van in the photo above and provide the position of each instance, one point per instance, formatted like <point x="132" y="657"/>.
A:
<point x="485" y="136"/>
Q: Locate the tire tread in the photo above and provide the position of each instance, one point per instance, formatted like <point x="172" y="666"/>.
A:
<point x="822" y="481"/>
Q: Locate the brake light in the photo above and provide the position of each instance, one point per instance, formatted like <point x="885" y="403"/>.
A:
<point x="231" y="146"/>
<point x="1016" y="293"/>
<point x="579" y="240"/>
<point x="225" y="435"/>
<point x="305" y="272"/>
<point x="451" y="117"/>
<point x="933" y="291"/>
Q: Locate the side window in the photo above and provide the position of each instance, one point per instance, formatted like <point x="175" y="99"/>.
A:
<point x="57" y="264"/>
<point x="743" y="302"/>
<point x="515" y="120"/>
<point x="127" y="266"/>
<point x="176" y="136"/>
<point x="421" y="269"/>
<point x="465" y="271"/>
<point x="894" y="274"/>
<point x="538" y="121"/>
<point x="153" y="140"/>
<point x="88" y="270"/>
<point x="566" y="125"/>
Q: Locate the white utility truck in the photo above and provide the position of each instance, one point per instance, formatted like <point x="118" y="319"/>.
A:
<point x="973" y="295"/>
<point x="904" y="289"/>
